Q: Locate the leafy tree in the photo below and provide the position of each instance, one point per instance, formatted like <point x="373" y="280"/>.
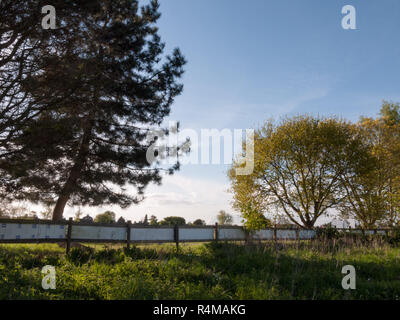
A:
<point x="224" y="218"/>
<point x="250" y="202"/>
<point x="92" y="144"/>
<point x="254" y="219"/>
<point x="390" y="116"/>
<point x="145" y="220"/>
<point x="199" y="222"/>
<point x="298" y="165"/>
<point x="281" y="220"/>
<point x="171" y="221"/>
<point x="390" y="113"/>
<point x="105" y="217"/>
<point x="365" y="198"/>
<point x="372" y="192"/>
<point x="121" y="220"/>
<point x="153" y="221"/>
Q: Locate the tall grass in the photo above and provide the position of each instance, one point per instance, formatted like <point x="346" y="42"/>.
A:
<point x="261" y="270"/>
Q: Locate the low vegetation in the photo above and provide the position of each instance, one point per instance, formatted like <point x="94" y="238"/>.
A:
<point x="286" y="270"/>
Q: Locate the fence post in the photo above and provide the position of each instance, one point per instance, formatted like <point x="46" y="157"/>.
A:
<point x="128" y="234"/>
<point x="216" y="235"/>
<point x="298" y="236"/>
<point x="176" y="236"/>
<point x="69" y="231"/>
<point x="275" y="234"/>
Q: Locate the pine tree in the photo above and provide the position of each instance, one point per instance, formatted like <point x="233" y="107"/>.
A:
<point x="23" y="44"/>
<point x="89" y="147"/>
<point x="146" y="220"/>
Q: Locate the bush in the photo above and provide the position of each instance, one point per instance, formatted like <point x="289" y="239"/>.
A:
<point x="393" y="238"/>
<point x="110" y="256"/>
<point x="136" y="253"/>
<point x="80" y="256"/>
<point x="327" y="233"/>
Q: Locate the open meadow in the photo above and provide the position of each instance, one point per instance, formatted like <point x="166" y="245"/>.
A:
<point x="286" y="270"/>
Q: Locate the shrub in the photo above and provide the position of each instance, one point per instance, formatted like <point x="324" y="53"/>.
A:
<point x="80" y="255"/>
<point x="137" y="253"/>
<point x="110" y="256"/>
<point x="393" y="238"/>
<point x="328" y="232"/>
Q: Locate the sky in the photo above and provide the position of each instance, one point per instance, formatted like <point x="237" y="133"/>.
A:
<point x="252" y="60"/>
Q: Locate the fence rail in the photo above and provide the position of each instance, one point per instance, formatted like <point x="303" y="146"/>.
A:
<point x="39" y="231"/>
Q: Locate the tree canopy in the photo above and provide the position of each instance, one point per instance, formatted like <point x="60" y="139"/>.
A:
<point x="224" y="218"/>
<point x="115" y="85"/>
<point x="373" y="193"/>
<point x="299" y="163"/>
<point x="105" y="217"/>
<point x="199" y="222"/>
<point x="172" y="221"/>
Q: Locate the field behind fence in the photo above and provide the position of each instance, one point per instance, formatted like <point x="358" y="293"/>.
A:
<point x="36" y="231"/>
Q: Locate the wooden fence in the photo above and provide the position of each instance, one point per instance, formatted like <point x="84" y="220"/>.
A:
<point x="37" y="231"/>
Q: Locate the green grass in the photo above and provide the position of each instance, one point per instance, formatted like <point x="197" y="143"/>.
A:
<point x="201" y="271"/>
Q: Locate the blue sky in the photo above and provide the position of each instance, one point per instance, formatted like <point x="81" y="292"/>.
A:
<point x="252" y="60"/>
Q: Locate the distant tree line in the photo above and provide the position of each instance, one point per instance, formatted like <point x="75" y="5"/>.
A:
<point x="110" y="217"/>
<point x="223" y="218"/>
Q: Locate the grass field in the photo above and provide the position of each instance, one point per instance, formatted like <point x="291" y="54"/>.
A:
<point x="201" y="271"/>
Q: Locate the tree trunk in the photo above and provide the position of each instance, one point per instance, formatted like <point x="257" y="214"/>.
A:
<point x="74" y="174"/>
<point x="59" y="208"/>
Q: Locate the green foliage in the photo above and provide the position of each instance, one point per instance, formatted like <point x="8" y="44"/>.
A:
<point x="224" y="218"/>
<point x="253" y="218"/>
<point x="95" y="96"/>
<point x="390" y="113"/>
<point x="372" y="189"/>
<point x="153" y="221"/>
<point x="80" y="256"/>
<point x="171" y="221"/>
<point x="137" y="253"/>
<point x="199" y="222"/>
<point x="105" y="217"/>
<point x="298" y="165"/>
<point x="208" y="271"/>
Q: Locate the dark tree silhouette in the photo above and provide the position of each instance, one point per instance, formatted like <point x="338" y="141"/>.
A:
<point x="91" y="145"/>
<point x="23" y="44"/>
